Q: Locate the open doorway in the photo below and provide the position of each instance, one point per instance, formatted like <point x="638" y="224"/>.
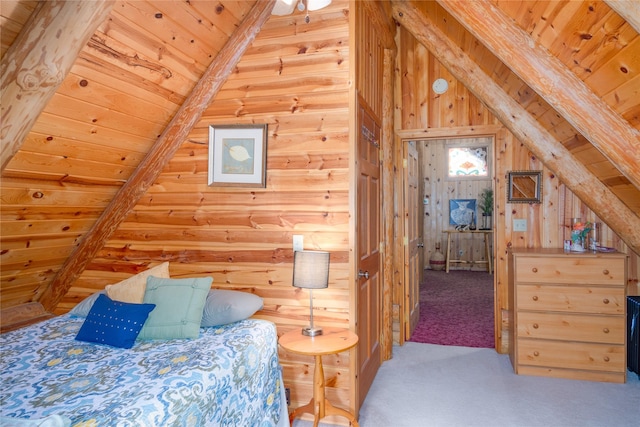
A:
<point x="455" y="176"/>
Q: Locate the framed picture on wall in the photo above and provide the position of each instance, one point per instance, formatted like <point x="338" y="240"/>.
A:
<point x="462" y="211"/>
<point x="237" y="155"/>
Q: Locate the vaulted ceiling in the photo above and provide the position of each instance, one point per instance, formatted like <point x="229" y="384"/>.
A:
<point x="124" y="79"/>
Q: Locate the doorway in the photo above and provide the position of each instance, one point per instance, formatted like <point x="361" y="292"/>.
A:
<point x="441" y="183"/>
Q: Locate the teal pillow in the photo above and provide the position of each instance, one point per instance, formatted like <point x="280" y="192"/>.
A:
<point x="113" y="323"/>
<point x="226" y="306"/>
<point x="179" y="304"/>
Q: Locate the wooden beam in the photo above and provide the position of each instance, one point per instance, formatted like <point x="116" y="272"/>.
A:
<point x="22" y="315"/>
<point x="160" y="154"/>
<point x="629" y="10"/>
<point x="39" y="60"/>
<point x="611" y="134"/>
<point x="388" y="206"/>
<point x="526" y="128"/>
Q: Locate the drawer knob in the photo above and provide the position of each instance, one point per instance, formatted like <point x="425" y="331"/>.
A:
<point x="605" y="272"/>
<point x="535" y="326"/>
<point x="534" y="269"/>
<point x="605" y="330"/>
<point x="536" y="353"/>
<point x="606" y="358"/>
<point x="535" y="298"/>
<point x="606" y="300"/>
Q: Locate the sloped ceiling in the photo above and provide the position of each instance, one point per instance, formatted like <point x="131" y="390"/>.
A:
<point x="139" y="67"/>
<point x="536" y="70"/>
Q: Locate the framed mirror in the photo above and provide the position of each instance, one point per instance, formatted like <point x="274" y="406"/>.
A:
<point x="524" y="187"/>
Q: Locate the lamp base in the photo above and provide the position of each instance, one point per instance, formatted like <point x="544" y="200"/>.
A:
<point x="311" y="332"/>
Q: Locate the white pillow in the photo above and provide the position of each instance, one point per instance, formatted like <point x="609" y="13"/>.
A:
<point x="225" y="306"/>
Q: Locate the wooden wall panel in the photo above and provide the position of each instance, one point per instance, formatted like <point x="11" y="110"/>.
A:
<point x="40" y="224"/>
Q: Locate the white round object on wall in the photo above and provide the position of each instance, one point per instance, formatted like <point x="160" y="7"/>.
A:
<point x="440" y="86"/>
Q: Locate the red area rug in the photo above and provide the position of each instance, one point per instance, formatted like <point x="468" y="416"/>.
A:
<point x="456" y="308"/>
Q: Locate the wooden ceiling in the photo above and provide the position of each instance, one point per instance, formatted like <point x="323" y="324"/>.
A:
<point x="142" y="63"/>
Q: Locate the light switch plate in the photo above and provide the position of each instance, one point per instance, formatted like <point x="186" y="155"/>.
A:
<point x="519" y="225"/>
<point x="298" y="242"/>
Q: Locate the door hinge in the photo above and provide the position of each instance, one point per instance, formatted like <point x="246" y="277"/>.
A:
<point x="404" y="163"/>
<point x="405" y="241"/>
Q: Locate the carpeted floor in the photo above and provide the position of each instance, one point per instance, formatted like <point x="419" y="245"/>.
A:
<point x="427" y="385"/>
<point x="456" y="308"/>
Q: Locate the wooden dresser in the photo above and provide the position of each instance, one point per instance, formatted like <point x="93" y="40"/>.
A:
<point x="567" y="316"/>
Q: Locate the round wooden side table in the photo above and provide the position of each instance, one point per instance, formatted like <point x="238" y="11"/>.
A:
<point x="332" y="341"/>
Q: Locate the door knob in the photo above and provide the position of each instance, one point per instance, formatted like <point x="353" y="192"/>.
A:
<point x="364" y="274"/>
<point x="421" y="245"/>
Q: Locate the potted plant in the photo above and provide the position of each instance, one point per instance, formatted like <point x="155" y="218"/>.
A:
<point x="486" y="205"/>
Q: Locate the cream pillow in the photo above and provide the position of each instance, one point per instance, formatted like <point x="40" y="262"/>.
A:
<point x="132" y="289"/>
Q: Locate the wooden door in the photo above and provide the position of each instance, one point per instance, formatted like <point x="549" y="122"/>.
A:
<point x="413" y="242"/>
<point x="369" y="323"/>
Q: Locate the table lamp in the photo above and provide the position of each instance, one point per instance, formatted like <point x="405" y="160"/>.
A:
<point x="311" y="271"/>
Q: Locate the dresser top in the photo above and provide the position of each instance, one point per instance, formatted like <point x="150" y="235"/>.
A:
<point x="559" y="252"/>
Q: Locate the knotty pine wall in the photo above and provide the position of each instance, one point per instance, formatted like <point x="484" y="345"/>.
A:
<point x="296" y="79"/>
<point x="422" y="115"/>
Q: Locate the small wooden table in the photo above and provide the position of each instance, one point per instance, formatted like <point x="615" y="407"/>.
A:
<point x="332" y="341"/>
<point x="487" y="248"/>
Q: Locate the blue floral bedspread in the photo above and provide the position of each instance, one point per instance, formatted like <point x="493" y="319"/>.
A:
<point x="229" y="376"/>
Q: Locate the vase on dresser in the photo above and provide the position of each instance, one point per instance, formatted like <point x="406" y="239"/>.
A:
<point x="577" y="244"/>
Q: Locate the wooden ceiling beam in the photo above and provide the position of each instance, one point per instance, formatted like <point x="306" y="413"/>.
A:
<point x="526" y="128"/>
<point x="611" y="134"/>
<point x="39" y="60"/>
<point x="160" y="154"/>
<point x="629" y="10"/>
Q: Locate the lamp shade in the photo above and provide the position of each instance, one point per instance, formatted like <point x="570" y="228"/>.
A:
<point x="311" y="269"/>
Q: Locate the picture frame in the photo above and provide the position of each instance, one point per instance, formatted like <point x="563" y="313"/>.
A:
<point x="524" y="187"/>
<point x="237" y="155"/>
<point x="462" y="211"/>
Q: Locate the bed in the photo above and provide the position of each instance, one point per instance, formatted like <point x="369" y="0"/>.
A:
<point x="228" y="376"/>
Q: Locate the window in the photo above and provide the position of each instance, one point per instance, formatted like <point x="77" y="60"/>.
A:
<point x="468" y="162"/>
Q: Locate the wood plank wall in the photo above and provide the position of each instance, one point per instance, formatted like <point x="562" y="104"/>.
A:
<point x="425" y="116"/>
<point x="295" y="78"/>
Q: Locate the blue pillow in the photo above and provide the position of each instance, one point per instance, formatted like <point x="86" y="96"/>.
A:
<point x="114" y="323"/>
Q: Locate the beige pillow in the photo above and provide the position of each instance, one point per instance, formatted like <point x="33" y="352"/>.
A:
<point x="132" y="289"/>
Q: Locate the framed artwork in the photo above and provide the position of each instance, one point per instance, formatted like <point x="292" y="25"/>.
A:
<point x="524" y="187"/>
<point x="462" y="211"/>
<point x="238" y="155"/>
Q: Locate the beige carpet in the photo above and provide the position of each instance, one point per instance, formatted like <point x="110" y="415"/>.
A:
<point x="442" y="386"/>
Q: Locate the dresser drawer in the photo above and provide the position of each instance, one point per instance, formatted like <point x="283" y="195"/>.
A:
<point x="577" y="299"/>
<point x="579" y="355"/>
<point x="572" y="327"/>
<point x="563" y="269"/>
